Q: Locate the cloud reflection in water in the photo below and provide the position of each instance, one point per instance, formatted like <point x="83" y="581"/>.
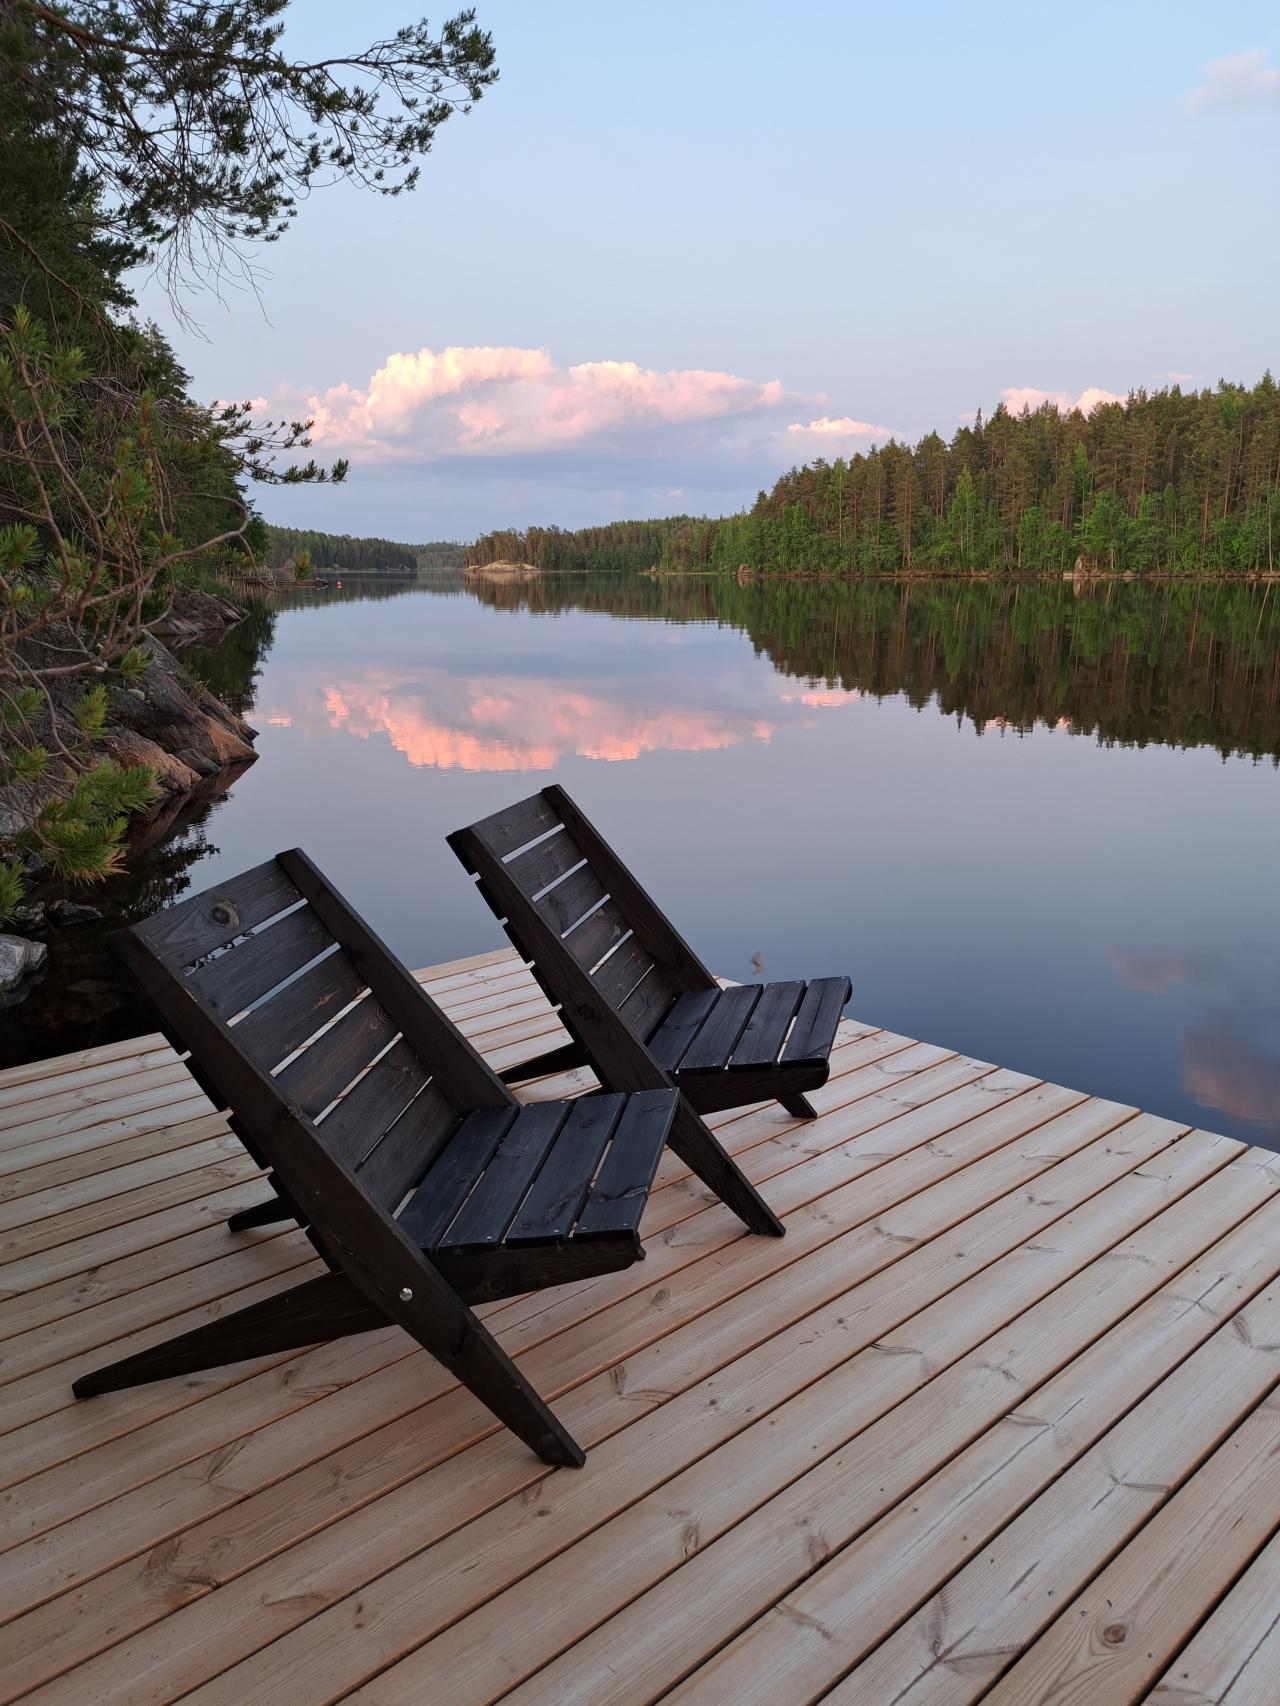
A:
<point x="448" y="721"/>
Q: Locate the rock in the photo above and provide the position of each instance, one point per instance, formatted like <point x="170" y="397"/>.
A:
<point x="179" y="718"/>
<point x="127" y="747"/>
<point x="197" y="617"/>
<point x="198" y="761"/>
<point x="30" y="917"/>
<point x="501" y="571"/>
<point x="68" y="912"/>
<point x="18" y="959"/>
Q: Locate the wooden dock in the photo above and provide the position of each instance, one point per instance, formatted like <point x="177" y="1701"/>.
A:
<point x="996" y="1420"/>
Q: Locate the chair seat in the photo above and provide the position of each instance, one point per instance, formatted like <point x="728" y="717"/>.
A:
<point x="751" y="1027"/>
<point x="564" y="1176"/>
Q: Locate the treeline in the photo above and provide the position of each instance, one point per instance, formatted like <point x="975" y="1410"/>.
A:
<point x="1181" y="664"/>
<point x="358" y="556"/>
<point x="1168" y="482"/>
<point x="618" y="545"/>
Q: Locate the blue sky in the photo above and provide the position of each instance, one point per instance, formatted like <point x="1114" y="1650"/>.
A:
<point x="870" y="217"/>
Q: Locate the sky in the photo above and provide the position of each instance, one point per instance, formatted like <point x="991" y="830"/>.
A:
<point x="680" y="248"/>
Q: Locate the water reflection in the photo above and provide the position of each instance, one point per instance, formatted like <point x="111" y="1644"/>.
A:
<point x="1036" y="825"/>
<point x="452" y="721"/>
<point x="1185" y="664"/>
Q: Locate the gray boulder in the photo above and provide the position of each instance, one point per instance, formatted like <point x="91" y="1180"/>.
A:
<point x="67" y="912"/>
<point x="18" y="959"/>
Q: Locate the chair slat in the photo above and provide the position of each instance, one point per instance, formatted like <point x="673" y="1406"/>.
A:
<point x="594" y="937"/>
<point x="404" y="1154"/>
<point x="680" y="1026"/>
<point x="370" y="1107"/>
<point x="194" y="927"/>
<point x="490" y="1208"/>
<point x="622" y="971"/>
<point x="649" y="1002"/>
<point x="462" y="1072"/>
<point x="767" y="1027"/>
<point x="544" y="863"/>
<point x="297" y="1012"/>
<point x="621" y="1189"/>
<point x="720" y="1030"/>
<point x="324" y="1070"/>
<point x="248" y="969"/>
<point x="814" y="1030"/>
<point x="512" y="827"/>
<point x="457" y="1167"/>
<point x="567" y="903"/>
<point x="561" y="1188"/>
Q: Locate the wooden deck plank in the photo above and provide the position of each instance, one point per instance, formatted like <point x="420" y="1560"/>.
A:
<point x="1117" y="1636"/>
<point x="554" y="1309"/>
<point x="991" y="1607"/>
<point x="664" y="1629"/>
<point x="765" y="1391"/>
<point x="578" y="1351"/>
<point x="393" y="1446"/>
<point x="829" y="1429"/>
<point x="1234" y="1659"/>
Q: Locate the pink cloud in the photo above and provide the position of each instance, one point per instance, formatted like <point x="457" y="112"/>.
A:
<point x="1237" y="80"/>
<point x="1019" y="397"/>
<point x="841" y="427"/>
<point x="498" y="400"/>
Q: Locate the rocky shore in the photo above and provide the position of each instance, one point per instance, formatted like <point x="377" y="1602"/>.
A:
<point x="166" y="720"/>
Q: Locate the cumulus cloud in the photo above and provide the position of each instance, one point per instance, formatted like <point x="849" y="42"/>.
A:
<point x="1238" y="80"/>
<point x="484" y="400"/>
<point x="1019" y="397"/>
<point x="841" y="427"/>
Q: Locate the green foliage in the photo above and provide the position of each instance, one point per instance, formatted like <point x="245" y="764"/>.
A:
<point x="176" y="132"/>
<point x="90" y="713"/>
<point x="12" y="886"/>
<point x="240" y="132"/>
<point x="1168" y="481"/>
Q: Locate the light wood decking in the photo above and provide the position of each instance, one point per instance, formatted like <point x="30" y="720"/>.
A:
<point x="996" y="1420"/>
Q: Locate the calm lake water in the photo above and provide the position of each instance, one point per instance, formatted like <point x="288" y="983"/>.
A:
<point x="1036" y="825"/>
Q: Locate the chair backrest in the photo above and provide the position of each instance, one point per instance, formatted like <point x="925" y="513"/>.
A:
<point x="550" y="876"/>
<point x="303" y="1023"/>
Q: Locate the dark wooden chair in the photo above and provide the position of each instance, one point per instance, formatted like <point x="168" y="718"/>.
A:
<point x="640" y="1006"/>
<point x="422" y="1182"/>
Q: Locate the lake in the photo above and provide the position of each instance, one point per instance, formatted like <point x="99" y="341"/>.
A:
<point x="1039" y="823"/>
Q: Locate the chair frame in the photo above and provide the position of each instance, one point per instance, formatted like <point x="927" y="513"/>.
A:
<point x="601" y="1036"/>
<point x="378" y="1275"/>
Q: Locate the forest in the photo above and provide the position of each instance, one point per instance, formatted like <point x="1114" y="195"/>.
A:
<point x="355" y="555"/>
<point x="1168" y="482"/>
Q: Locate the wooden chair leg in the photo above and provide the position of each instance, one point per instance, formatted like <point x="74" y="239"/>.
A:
<point x="692" y="1140"/>
<point x="444" y="1326"/>
<point x="328" y="1307"/>
<point x="799" y="1107"/>
<point x="261" y="1214"/>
